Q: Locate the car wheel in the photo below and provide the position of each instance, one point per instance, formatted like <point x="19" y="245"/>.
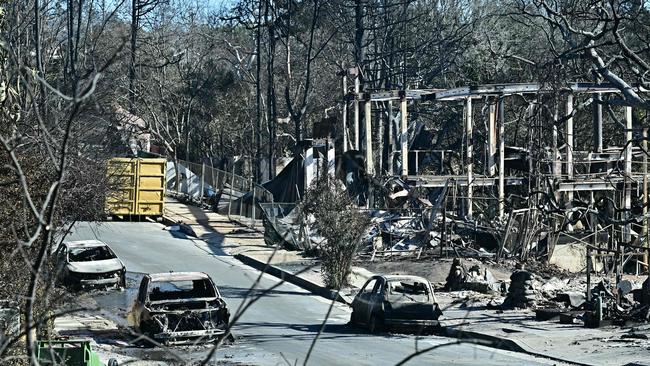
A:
<point x="112" y="362"/>
<point x="375" y="324"/>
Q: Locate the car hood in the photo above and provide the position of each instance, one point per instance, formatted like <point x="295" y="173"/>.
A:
<point x="108" y="265"/>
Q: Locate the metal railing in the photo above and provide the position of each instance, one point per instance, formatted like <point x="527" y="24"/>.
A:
<point x="224" y="192"/>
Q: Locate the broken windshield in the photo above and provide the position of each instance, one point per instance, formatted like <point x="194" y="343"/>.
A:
<point x="408" y="291"/>
<point x="90" y="254"/>
<point x="175" y="290"/>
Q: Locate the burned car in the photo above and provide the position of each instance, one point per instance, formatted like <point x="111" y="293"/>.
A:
<point x="179" y="307"/>
<point x="89" y="263"/>
<point x="396" y="302"/>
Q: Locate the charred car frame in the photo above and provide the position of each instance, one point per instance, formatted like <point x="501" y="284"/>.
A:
<point x="89" y="264"/>
<point x="396" y="302"/>
<point x="179" y="307"/>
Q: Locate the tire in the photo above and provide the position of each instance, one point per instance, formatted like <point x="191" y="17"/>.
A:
<point x="375" y="324"/>
<point x="112" y="362"/>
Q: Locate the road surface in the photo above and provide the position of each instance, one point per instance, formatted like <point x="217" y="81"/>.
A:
<point x="279" y="328"/>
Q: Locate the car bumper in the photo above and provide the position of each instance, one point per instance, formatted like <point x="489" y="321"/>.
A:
<point x="188" y="336"/>
<point x="411" y="323"/>
<point x="97" y="282"/>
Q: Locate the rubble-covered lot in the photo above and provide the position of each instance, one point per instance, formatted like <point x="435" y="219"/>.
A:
<point x="552" y="322"/>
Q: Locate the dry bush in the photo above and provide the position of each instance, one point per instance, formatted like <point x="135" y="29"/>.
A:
<point x="341" y="224"/>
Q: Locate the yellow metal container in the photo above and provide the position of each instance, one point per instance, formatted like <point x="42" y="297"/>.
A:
<point x="137" y="186"/>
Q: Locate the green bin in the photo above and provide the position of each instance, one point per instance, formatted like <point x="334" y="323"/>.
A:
<point x="69" y="353"/>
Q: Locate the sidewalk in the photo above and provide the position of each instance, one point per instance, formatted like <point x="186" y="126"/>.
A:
<point x="512" y="330"/>
<point x="248" y="246"/>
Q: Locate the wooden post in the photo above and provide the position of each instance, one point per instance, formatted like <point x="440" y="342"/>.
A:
<point x="404" y="136"/>
<point x="470" y="163"/>
<point x="356" y="112"/>
<point x="569" y="142"/>
<point x="345" y="113"/>
<point x="492" y="139"/>
<point x="628" y="171"/>
<point x="368" y="134"/>
<point x="502" y="158"/>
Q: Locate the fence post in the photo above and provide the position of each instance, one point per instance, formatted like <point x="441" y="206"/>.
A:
<point x="241" y="201"/>
<point x="202" y="186"/>
<point x="253" y="206"/>
<point x="232" y="183"/>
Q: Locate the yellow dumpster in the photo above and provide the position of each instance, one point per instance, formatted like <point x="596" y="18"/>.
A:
<point x="136" y="186"/>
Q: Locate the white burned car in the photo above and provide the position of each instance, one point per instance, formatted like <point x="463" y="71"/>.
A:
<point x="88" y="264"/>
<point x="179" y="307"/>
<point x="396" y="302"/>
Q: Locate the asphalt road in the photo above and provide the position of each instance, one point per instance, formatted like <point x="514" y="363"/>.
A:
<point x="279" y="328"/>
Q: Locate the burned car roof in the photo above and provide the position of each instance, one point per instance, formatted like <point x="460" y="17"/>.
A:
<point x="92" y="243"/>
<point x="405" y="278"/>
<point x="178" y="276"/>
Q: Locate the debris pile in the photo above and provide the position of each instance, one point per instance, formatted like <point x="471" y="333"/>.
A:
<point x="616" y="306"/>
<point x="521" y="293"/>
<point x="456" y="277"/>
<point x="475" y="279"/>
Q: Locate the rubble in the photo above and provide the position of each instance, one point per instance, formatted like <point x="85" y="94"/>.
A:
<point x="456" y="277"/>
<point x="475" y="279"/>
<point x="522" y="292"/>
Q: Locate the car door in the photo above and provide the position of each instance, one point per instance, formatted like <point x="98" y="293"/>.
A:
<point x="138" y="305"/>
<point x="61" y="262"/>
<point x="376" y="298"/>
<point x="361" y="301"/>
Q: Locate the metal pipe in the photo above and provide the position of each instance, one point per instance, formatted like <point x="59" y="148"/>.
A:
<point x="502" y="159"/>
<point x="628" y="170"/>
<point x="368" y="132"/>
<point x="357" y="86"/>
<point x="492" y="139"/>
<point x="345" y="113"/>
<point x="470" y="163"/>
<point x="645" y="194"/>
<point x="569" y="142"/>
<point x="404" y="136"/>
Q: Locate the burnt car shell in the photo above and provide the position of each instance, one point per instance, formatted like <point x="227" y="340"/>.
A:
<point x="397" y="302"/>
<point x="179" y="307"/>
<point x="89" y="264"/>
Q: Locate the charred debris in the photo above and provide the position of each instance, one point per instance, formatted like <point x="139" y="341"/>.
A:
<point x="554" y="175"/>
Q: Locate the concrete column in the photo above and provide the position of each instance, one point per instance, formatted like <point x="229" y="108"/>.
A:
<point x="368" y="132"/>
<point x="492" y="139"/>
<point x="470" y="155"/>
<point x="569" y="142"/>
<point x="356" y="112"/>
<point x="331" y="159"/>
<point x="309" y="167"/>
<point x="404" y="136"/>
<point x="556" y="166"/>
<point x="598" y="123"/>
<point x="628" y="171"/>
<point x="502" y="159"/>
